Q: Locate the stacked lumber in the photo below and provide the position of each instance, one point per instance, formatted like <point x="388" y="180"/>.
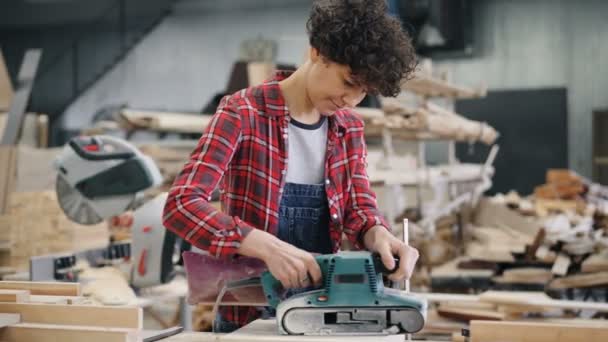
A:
<point x="163" y="121"/>
<point x="426" y="122"/>
<point x="34" y="224"/>
<point x="561" y="184"/>
<point x="45" y="311"/>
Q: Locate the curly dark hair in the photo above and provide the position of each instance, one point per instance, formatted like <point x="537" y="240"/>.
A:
<point x="362" y="35"/>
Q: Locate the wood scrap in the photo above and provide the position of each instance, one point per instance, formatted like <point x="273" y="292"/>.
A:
<point x="465" y="314"/>
<point x="164" y="121"/>
<point x="8" y="158"/>
<point x="98" y="316"/>
<point x="491" y="331"/>
<point x="538" y="300"/>
<point x="425" y="85"/>
<point x="6" y="88"/>
<point x="50" y="231"/>
<point x="14" y="296"/>
<point x="527" y="275"/>
<point x="580" y="280"/>
<point x="43" y="288"/>
<point x="23" y="88"/>
<point x="595" y="263"/>
<point x="27" y="332"/>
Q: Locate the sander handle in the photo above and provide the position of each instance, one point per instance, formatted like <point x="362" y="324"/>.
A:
<point x="381" y="268"/>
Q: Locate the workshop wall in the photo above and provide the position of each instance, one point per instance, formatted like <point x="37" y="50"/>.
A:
<point x="519" y="44"/>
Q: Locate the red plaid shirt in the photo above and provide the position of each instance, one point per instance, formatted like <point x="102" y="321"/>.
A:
<point x="244" y="150"/>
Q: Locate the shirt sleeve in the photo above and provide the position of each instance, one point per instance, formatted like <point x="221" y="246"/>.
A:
<point x="361" y="212"/>
<point x="187" y="211"/>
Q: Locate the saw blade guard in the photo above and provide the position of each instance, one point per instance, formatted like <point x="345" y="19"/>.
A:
<point x="101" y="176"/>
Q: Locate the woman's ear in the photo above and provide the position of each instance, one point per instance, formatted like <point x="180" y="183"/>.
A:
<point x="314" y="55"/>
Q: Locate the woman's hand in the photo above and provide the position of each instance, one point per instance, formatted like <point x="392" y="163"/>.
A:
<point x="381" y="240"/>
<point x="293" y="267"/>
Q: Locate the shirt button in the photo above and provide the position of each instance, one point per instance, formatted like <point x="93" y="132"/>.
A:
<point x="334" y="216"/>
<point x="283" y="171"/>
<point x="327" y="181"/>
<point x="285" y="136"/>
<point x="280" y="191"/>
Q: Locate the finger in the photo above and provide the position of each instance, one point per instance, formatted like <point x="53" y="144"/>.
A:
<point x="387" y="256"/>
<point x="401" y="251"/>
<point x="313" y="270"/>
<point x="303" y="280"/>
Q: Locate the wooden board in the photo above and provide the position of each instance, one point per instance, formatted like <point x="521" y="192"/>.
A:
<point x="465" y="314"/>
<point x="23" y="88"/>
<point x="595" y="263"/>
<point x="430" y="87"/>
<point x="96" y="316"/>
<point x="6" y="88"/>
<point x="43" y="288"/>
<point x="266" y="330"/>
<point x="489" y="331"/>
<point x="14" y="296"/>
<point x="25" y="332"/>
<point x="164" y="121"/>
<point x="537" y="300"/>
<point x="8" y="160"/>
<point x="580" y="280"/>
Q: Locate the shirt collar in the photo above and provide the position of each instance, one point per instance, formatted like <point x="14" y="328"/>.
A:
<point x="276" y="106"/>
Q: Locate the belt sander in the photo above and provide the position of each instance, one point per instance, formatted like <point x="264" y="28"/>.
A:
<point x="352" y="300"/>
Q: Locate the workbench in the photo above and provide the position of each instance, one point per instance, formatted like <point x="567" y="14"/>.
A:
<point x="266" y="330"/>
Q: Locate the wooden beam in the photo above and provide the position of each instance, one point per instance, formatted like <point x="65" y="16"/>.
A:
<point x="14" y="296"/>
<point x="537" y="300"/>
<point x="97" y="316"/>
<point x="43" y="332"/>
<point x="43" y="288"/>
<point x="580" y="280"/>
<point x="491" y="331"/>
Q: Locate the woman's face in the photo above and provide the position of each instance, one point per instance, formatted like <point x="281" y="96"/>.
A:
<point x="331" y="86"/>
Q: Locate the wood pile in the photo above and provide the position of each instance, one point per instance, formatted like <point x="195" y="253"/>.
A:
<point x="34" y="224"/>
<point x="449" y="314"/>
<point x="553" y="241"/>
<point x="426" y="122"/>
<point x="39" y="311"/>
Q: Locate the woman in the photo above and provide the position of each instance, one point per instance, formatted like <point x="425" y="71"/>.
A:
<point x="289" y="156"/>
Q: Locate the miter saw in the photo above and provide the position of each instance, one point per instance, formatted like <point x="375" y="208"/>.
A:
<point x="103" y="176"/>
<point x="353" y="300"/>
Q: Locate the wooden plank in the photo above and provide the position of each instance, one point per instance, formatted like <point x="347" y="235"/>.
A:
<point x="43" y="288"/>
<point x="580" y="280"/>
<point x="97" y="316"/>
<point x="42" y="299"/>
<point x="165" y="121"/>
<point x="465" y="314"/>
<point x="25" y="83"/>
<point x="431" y="87"/>
<point x="7" y="319"/>
<point x="25" y="332"/>
<point x="490" y="331"/>
<point x="537" y="300"/>
<point x="6" y="88"/>
<point x="14" y="296"/>
<point x="266" y="330"/>
<point x="8" y="160"/>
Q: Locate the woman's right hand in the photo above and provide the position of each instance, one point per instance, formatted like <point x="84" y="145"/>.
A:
<point x="293" y="267"/>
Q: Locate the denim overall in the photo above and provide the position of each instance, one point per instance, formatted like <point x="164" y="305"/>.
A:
<point x="304" y="223"/>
